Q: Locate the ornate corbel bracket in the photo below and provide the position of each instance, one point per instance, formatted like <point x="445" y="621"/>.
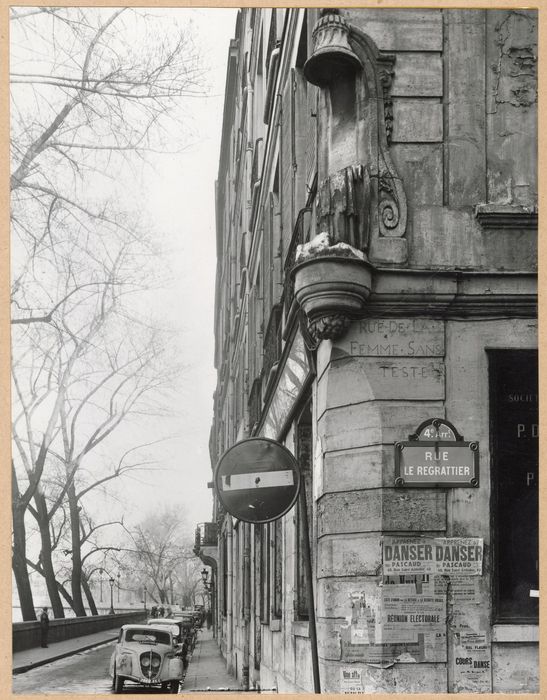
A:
<point x="332" y="283"/>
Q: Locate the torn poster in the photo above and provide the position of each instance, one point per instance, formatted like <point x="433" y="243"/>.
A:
<point x="391" y="625"/>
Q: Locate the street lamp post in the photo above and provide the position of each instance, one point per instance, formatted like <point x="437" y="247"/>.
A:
<point x="145" y="592"/>
<point x="204" y="576"/>
<point x="118" y="589"/>
<point x="208" y="585"/>
<point x="112" y="582"/>
<point x="101" y="583"/>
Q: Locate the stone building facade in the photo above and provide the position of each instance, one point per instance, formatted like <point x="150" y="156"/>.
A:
<point x="397" y="148"/>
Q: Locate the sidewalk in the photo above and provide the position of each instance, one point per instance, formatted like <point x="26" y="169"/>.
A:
<point x="207" y="668"/>
<point x="37" y="656"/>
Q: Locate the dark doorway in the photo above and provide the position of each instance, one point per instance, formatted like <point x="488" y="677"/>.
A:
<point x="514" y="442"/>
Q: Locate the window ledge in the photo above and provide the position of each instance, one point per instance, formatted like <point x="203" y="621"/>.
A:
<point x="275" y="625"/>
<point x="301" y="628"/>
<point x="506" y="216"/>
<point x="515" y="633"/>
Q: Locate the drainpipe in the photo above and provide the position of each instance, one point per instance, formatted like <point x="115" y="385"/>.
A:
<point x="246" y="603"/>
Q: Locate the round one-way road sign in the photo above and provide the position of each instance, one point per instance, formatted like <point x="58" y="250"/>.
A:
<point x="257" y="480"/>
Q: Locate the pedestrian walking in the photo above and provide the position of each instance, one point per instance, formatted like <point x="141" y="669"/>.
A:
<point x="44" y="627"/>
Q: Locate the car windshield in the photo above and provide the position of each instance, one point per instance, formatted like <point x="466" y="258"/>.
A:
<point x="173" y="626"/>
<point x="147" y="635"/>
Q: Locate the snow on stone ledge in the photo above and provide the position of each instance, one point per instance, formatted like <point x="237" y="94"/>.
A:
<point x="321" y="246"/>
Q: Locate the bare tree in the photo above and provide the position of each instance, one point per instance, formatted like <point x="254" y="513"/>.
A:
<point x="41" y="377"/>
<point x="161" y="545"/>
<point x="96" y="387"/>
<point x="91" y="93"/>
<point x="84" y="546"/>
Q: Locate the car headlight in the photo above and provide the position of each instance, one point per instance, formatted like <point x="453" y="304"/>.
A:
<point x="156" y="661"/>
<point x="123" y="663"/>
<point x="145" y="661"/>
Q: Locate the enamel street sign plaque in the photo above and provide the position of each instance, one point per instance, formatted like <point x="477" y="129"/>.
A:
<point x="436" y="455"/>
<point x="257" y="480"/>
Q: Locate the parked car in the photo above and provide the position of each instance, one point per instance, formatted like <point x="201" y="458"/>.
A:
<point x="176" y="626"/>
<point x="181" y="636"/>
<point x="147" y="655"/>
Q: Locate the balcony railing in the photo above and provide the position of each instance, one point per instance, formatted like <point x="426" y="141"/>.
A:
<point x="206" y="536"/>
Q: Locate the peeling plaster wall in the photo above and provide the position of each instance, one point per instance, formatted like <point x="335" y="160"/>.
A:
<point x="453" y="151"/>
<point x="515" y="668"/>
<point x="357" y="503"/>
<point x="511" y="89"/>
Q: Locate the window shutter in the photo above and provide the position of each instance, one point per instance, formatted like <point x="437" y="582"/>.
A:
<point x="267" y="264"/>
<point x="311" y="133"/>
<point x="287" y="161"/>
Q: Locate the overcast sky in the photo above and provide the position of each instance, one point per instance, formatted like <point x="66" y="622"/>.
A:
<point x="181" y="202"/>
<point x="175" y="198"/>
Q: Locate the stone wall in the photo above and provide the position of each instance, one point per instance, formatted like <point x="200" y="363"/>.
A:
<point x="359" y="420"/>
<point x="26" y="635"/>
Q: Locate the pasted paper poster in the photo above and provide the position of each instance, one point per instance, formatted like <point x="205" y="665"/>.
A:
<point x="432" y="555"/>
<point x="386" y="626"/>
<point x="471" y="663"/>
<point x="351" y="680"/>
<point x="403" y="617"/>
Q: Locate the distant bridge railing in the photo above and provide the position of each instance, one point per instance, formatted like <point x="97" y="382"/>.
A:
<point x="26" y="635"/>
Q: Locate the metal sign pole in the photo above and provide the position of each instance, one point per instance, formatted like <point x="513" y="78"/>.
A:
<point x="309" y="589"/>
<point x="258" y="480"/>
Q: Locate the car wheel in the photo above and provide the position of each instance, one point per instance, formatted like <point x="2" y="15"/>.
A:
<point x="117" y="684"/>
<point x="173" y="687"/>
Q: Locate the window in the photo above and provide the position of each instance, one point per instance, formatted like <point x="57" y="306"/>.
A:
<point x="147" y="635"/>
<point x="277" y="552"/>
<point x="264" y="572"/>
<point x="224" y="576"/>
<point x="258" y="593"/>
<point x="303" y="455"/>
<point x="236" y="570"/>
<point x="514" y="452"/>
<point x="245" y="557"/>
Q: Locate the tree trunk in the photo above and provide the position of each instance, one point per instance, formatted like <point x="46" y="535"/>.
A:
<point x="89" y="596"/>
<point x="65" y="595"/>
<point x="76" y="578"/>
<point x="45" y="556"/>
<point x="19" y="563"/>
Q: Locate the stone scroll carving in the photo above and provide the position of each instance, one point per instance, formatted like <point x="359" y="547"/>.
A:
<point x="361" y="198"/>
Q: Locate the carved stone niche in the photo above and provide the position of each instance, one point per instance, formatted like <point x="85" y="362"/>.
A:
<point x="361" y="200"/>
